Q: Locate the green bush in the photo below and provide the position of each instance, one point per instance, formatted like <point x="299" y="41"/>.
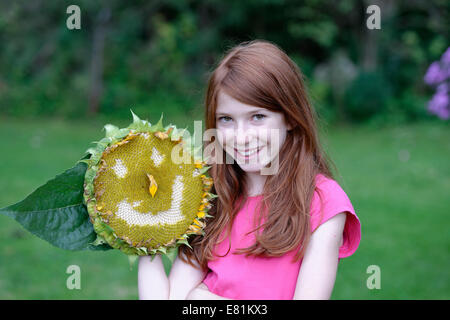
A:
<point x="367" y="95"/>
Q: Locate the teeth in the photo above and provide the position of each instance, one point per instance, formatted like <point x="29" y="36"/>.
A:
<point x="247" y="153"/>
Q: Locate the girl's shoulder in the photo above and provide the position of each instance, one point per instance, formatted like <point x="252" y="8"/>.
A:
<point x="330" y="199"/>
<point x="322" y="179"/>
<point x="329" y="188"/>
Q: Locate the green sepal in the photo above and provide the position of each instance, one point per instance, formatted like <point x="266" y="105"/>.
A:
<point x="87" y="161"/>
<point x="168" y="259"/>
<point x="136" y="119"/>
<point x="91" y="151"/>
<point x="99" y="241"/>
<point x="159" y="125"/>
<point x="204" y="169"/>
<point x="90" y="174"/>
<point x="163" y="250"/>
<point x="143" y="250"/>
<point x="132" y="260"/>
<point x="122" y="133"/>
<point x="111" y="130"/>
<point x="100" y="226"/>
<point x="176" y="134"/>
<point x="184" y="241"/>
<point x="138" y="124"/>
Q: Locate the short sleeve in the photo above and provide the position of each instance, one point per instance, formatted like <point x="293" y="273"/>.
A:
<point x="334" y="201"/>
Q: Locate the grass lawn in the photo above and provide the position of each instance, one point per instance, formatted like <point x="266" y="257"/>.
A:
<point x="398" y="179"/>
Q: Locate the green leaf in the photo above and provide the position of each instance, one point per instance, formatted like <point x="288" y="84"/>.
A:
<point x="55" y="212"/>
<point x="169" y="258"/>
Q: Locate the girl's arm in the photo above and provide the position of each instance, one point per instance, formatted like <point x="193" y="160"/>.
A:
<point x="183" y="278"/>
<point x="185" y="283"/>
<point x="152" y="280"/>
<point x="201" y="292"/>
<point x="153" y="283"/>
<point x="319" y="266"/>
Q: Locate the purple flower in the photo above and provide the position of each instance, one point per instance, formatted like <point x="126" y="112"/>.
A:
<point x="445" y="63"/>
<point x="443" y="88"/>
<point x="446" y="56"/>
<point x="434" y="74"/>
<point x="437" y="75"/>
<point x="439" y="104"/>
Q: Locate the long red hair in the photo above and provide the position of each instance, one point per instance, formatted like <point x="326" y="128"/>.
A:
<point x="259" y="73"/>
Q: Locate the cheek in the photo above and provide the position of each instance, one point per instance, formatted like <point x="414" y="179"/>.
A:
<point x="225" y="137"/>
<point x="282" y="137"/>
<point x="273" y="135"/>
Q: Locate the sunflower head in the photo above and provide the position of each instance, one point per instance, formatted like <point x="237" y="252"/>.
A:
<point x="146" y="191"/>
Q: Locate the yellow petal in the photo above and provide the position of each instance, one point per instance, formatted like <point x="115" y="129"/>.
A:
<point x="153" y="186"/>
<point x="198" y="164"/>
<point x="201" y="214"/>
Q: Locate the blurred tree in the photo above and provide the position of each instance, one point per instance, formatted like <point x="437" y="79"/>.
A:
<point x="98" y="46"/>
<point x="158" y="54"/>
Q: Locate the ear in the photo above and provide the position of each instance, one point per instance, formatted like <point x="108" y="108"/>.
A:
<point x="289" y="126"/>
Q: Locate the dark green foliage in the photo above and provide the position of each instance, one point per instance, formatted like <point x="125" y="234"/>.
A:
<point x="157" y="55"/>
<point x="367" y="95"/>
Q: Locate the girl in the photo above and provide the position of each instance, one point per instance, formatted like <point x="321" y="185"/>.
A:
<point x="276" y="235"/>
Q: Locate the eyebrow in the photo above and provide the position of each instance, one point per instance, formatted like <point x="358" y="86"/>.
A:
<point x="226" y="114"/>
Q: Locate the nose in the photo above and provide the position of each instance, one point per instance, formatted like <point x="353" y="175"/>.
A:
<point x="243" y="135"/>
<point x="241" y="138"/>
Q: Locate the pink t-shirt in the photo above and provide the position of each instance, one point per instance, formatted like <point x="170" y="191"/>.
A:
<point x="237" y="277"/>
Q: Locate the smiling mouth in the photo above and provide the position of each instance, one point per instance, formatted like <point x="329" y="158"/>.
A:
<point x="248" y="153"/>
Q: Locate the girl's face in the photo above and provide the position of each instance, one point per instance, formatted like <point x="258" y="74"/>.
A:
<point x="252" y="136"/>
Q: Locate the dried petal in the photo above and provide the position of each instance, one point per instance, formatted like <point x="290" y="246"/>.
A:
<point x="153" y="186"/>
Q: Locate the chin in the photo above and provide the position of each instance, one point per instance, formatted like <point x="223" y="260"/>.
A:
<point x="251" y="168"/>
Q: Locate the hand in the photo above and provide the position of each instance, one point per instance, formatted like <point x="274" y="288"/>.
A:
<point x="152" y="280"/>
<point x="201" y="292"/>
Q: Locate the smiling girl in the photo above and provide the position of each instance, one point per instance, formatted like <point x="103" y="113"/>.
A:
<point x="281" y="222"/>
